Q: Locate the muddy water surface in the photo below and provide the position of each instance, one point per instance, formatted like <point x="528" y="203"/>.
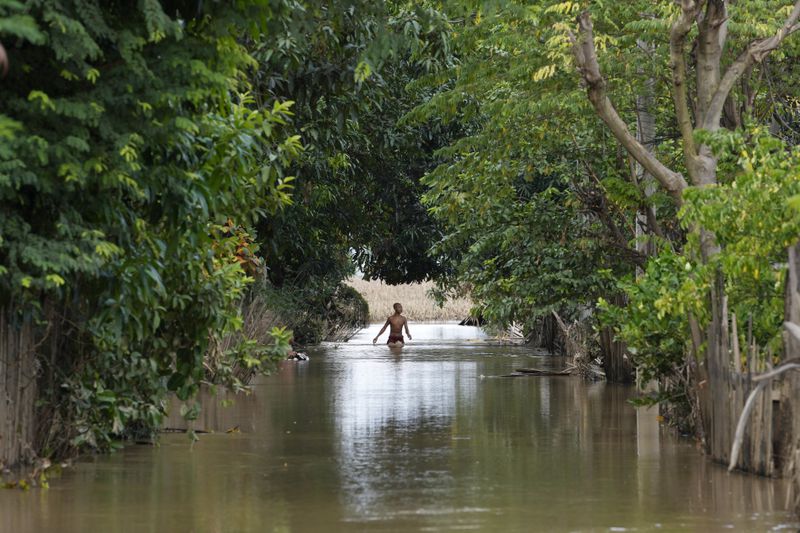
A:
<point x="428" y="439"/>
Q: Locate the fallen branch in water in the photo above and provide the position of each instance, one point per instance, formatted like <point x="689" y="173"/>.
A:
<point x="569" y="371"/>
<point x="539" y="372"/>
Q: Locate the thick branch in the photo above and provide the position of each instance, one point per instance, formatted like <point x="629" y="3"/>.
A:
<point x="586" y="62"/>
<point x="677" y="41"/>
<point x="755" y="52"/>
<point x="712" y="33"/>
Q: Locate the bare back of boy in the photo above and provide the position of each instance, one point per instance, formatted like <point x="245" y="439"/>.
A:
<point x="396" y="323"/>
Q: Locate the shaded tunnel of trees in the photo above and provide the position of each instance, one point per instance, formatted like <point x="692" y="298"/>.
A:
<point x="627" y="170"/>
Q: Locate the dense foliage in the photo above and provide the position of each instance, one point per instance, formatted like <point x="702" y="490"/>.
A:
<point x="129" y="143"/>
<point x="555" y="200"/>
<point x="147" y="175"/>
<point x="345" y="67"/>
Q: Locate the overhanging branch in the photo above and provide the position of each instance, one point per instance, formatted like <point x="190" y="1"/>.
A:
<point x="589" y="69"/>
<point x="755" y="52"/>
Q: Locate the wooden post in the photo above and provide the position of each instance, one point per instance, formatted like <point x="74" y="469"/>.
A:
<point x="788" y="430"/>
<point x="737" y="355"/>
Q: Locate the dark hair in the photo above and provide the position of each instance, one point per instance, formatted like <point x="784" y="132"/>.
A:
<point x="396" y="305"/>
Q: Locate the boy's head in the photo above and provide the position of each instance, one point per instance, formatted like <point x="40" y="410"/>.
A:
<point x="398" y="308"/>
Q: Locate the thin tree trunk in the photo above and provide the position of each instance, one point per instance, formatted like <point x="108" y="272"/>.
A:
<point x="18" y="371"/>
<point x="646" y="135"/>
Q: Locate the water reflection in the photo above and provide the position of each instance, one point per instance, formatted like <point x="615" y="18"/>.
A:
<point x="361" y="438"/>
<point x="390" y="415"/>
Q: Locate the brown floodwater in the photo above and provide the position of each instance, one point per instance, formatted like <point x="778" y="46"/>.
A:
<point x="362" y="438"/>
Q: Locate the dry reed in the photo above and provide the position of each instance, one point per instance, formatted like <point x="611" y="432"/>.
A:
<point x="417" y="305"/>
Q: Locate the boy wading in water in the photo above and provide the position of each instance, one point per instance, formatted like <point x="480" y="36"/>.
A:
<point x="398" y="322"/>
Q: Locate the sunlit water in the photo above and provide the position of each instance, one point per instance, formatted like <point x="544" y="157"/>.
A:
<point x="362" y="438"/>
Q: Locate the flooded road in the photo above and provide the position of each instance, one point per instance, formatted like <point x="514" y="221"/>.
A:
<point x="361" y="438"/>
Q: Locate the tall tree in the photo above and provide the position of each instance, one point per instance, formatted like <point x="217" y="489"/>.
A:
<point x="517" y="76"/>
<point x="710" y="104"/>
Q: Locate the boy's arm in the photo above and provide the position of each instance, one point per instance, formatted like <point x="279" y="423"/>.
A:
<point x="405" y="323"/>
<point x="380" y="332"/>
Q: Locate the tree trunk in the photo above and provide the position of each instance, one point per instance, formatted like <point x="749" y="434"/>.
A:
<point x="616" y="363"/>
<point x="712" y="89"/>
<point x="545" y="334"/>
<point x="646" y="135"/>
<point x="18" y="387"/>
